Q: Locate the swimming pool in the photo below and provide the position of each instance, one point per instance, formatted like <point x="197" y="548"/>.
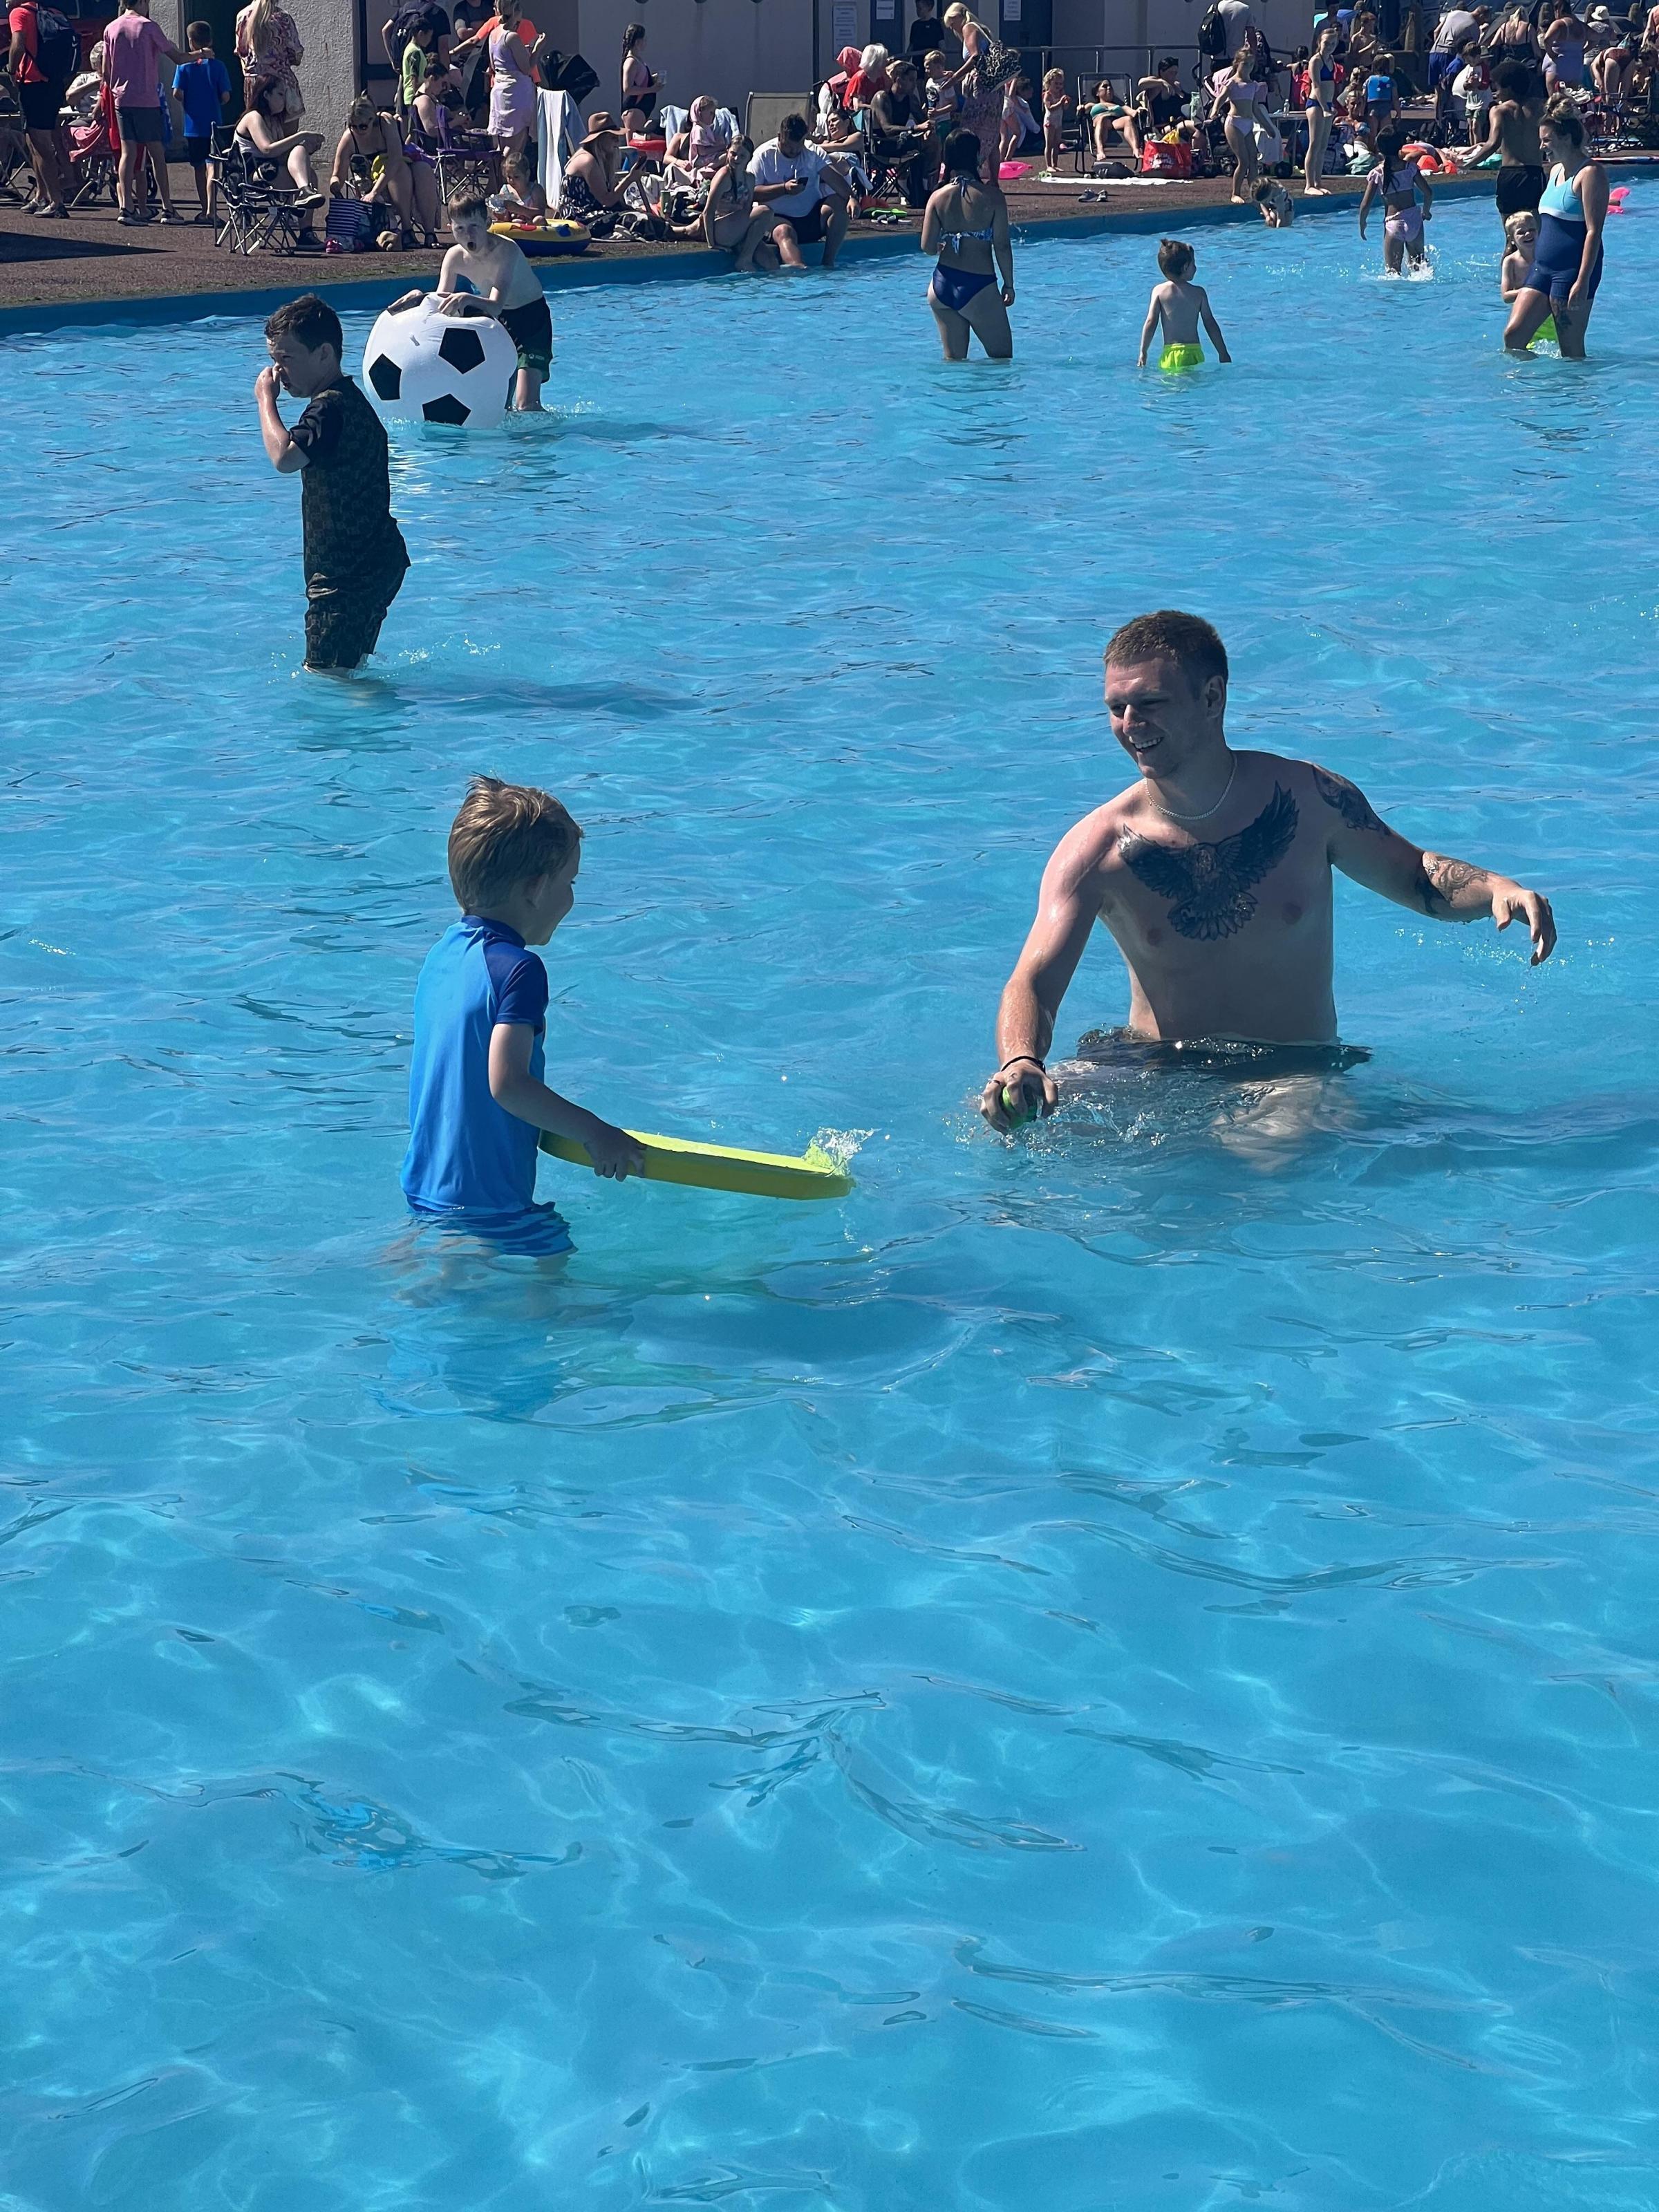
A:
<point x="1112" y="1670"/>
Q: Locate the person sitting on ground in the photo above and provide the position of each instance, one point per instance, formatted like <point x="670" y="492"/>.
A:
<point x="707" y="142"/>
<point x="1278" y="208"/>
<point x="520" y="198"/>
<point x="409" y="190"/>
<point x="483" y="273"/>
<point x="592" y="189"/>
<point x="1212" y="871"/>
<point x="806" y="198"/>
<point x="729" y="211"/>
<point x="477" y="1093"/>
<point x="899" y="131"/>
<point x="260" y="131"/>
<point x="1180" y="306"/>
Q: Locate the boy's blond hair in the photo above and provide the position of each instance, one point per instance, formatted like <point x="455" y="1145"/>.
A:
<point x="1177" y="258"/>
<point x="505" y="835"/>
<point x="1512" y="222"/>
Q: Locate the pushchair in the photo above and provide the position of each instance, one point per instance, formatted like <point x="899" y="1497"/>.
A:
<point x="94" y="150"/>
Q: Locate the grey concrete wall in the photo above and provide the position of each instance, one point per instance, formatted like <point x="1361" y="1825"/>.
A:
<point x="328" y="75"/>
<point x="1171" y="25"/>
<point x="729" y="48"/>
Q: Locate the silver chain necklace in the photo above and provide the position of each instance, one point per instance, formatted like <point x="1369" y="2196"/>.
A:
<point x="1208" y="810"/>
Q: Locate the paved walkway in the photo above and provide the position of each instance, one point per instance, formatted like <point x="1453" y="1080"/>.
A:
<point x="91" y="257"/>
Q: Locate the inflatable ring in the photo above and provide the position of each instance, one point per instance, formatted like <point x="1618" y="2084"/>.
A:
<point x="558" y="234"/>
<point x="720" y="1167"/>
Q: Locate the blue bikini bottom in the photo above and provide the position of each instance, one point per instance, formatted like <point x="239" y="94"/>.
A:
<point x="954" y="288"/>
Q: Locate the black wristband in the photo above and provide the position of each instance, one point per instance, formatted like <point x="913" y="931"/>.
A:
<point x="1035" y="1059"/>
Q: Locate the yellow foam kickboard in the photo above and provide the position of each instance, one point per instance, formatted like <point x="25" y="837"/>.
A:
<point x="722" y="1167"/>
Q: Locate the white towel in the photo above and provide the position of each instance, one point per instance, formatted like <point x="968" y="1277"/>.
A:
<point x="555" y="141"/>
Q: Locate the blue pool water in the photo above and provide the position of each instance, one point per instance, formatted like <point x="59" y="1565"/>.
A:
<point x="1112" y="1670"/>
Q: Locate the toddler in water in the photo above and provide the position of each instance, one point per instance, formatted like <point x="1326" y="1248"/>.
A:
<point x="1055" y="101"/>
<point x="1180" y="306"/>
<point x="1278" y="208"/>
<point x="1398" y="182"/>
<point x="477" y="1093"/>
<point x="1521" y="229"/>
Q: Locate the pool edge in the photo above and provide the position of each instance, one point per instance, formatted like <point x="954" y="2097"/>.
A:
<point x="45" y="317"/>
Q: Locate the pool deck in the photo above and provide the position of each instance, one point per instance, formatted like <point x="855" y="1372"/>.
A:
<point x="90" y="270"/>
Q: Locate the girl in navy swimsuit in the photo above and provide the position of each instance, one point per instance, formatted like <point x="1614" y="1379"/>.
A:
<point x="966" y="225"/>
<point x="1566" y="265"/>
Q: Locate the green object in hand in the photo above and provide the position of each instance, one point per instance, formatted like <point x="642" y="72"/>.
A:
<point x="1013" y="1103"/>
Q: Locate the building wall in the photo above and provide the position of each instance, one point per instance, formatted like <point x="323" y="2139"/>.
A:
<point x="328" y="75"/>
<point x="726" y="47"/>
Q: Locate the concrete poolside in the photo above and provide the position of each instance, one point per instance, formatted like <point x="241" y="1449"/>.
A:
<point x="91" y="260"/>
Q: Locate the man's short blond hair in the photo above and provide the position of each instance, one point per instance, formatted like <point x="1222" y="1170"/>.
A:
<point x="504" y="836"/>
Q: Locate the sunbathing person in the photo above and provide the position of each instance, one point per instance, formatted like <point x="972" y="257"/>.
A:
<point x="1212" y="872"/>
<point x="730" y="213"/>
<point x="259" y="130"/>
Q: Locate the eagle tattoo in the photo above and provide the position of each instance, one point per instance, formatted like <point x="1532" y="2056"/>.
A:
<point x="1209" y="886"/>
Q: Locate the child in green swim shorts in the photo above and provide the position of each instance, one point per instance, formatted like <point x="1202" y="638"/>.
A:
<point x="1179" y="306"/>
<point x="495" y="270"/>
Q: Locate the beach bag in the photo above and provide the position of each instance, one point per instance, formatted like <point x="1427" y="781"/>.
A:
<point x="1164" y="157"/>
<point x="995" y="64"/>
<point x="57" y="49"/>
<point x="349" y="227"/>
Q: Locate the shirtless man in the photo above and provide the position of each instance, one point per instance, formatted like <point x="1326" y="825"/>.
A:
<point x="1213" y="874"/>
<point x="1512" y="133"/>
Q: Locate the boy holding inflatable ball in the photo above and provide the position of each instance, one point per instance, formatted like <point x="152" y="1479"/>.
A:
<point x="476" y="1096"/>
<point x="491" y="269"/>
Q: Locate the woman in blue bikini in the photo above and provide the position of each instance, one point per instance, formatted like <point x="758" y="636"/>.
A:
<point x="1566" y="263"/>
<point x="1322" y="104"/>
<point x="966" y="225"/>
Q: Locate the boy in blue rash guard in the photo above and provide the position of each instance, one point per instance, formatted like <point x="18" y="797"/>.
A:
<point x="476" y="1096"/>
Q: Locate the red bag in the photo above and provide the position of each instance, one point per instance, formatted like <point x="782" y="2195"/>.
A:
<point x="1159" y="158"/>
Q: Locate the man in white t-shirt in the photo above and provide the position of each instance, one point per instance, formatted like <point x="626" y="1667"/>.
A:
<point x="1237" y="16"/>
<point x="807" y="196"/>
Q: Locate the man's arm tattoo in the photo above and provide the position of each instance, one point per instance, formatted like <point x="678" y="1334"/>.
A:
<point x="1350" y="802"/>
<point x="1443" y="881"/>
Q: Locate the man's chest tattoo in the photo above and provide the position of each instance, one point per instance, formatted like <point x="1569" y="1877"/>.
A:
<point x="1210" y="887"/>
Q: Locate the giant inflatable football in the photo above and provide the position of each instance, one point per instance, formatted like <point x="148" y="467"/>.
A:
<point x="422" y="366"/>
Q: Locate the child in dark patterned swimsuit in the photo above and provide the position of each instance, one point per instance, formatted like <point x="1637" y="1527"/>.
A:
<point x="355" y="554"/>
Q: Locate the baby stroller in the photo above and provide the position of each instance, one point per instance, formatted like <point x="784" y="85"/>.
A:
<point x="94" y="150"/>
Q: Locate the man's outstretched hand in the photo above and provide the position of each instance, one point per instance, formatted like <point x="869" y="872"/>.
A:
<point x="1510" y="902"/>
<point x="1024" y="1086"/>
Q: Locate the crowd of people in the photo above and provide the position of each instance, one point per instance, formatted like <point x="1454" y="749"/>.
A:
<point x="1528" y="89"/>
